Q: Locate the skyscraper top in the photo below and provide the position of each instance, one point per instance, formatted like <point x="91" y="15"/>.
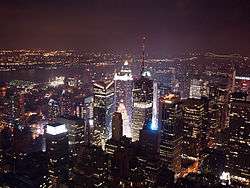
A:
<point x="126" y="63"/>
<point x="169" y="98"/>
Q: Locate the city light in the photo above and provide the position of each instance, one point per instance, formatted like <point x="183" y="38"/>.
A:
<point x="57" y="81"/>
<point x="225" y="177"/>
<point x="56" y="130"/>
<point x="125" y="94"/>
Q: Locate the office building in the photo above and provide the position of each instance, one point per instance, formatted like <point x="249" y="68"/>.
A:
<point x="57" y="146"/>
<point x="123" y="96"/>
<point x="117" y="126"/>
<point x="53" y="110"/>
<point x="237" y="141"/>
<point x="198" y="89"/>
<point x="193" y="125"/>
<point x="76" y="134"/>
<point x="171" y="131"/>
<point x="103" y="110"/>
<point x="142" y="104"/>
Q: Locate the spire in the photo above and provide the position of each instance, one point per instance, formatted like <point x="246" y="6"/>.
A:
<point x="143" y="54"/>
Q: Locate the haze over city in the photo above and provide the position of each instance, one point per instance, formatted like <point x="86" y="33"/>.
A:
<point x="110" y="25"/>
<point x="124" y="94"/>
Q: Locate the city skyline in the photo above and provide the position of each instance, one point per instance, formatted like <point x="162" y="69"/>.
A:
<point x="124" y="94"/>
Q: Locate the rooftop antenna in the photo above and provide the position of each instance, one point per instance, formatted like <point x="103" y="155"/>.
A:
<point x="143" y="54"/>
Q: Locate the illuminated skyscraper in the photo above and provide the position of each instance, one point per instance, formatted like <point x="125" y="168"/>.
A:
<point x="219" y="95"/>
<point x="117" y="126"/>
<point x="17" y="102"/>
<point x="67" y="103"/>
<point x="171" y="131"/>
<point x="84" y="110"/>
<point x="198" y="89"/>
<point x="116" y="140"/>
<point x="89" y="119"/>
<point x="166" y="80"/>
<point x="76" y="131"/>
<point x="145" y="96"/>
<point x="125" y="120"/>
<point x="103" y="109"/>
<point x="237" y="145"/>
<point x="193" y="122"/>
<point x="53" y="110"/>
<point x="123" y="96"/>
<point x="143" y="104"/>
<point x="58" y="154"/>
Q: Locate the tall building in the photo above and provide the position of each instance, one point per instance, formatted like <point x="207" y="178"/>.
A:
<point x="143" y="99"/>
<point x="103" y="110"/>
<point x="219" y="95"/>
<point x="67" y="102"/>
<point x="166" y="80"/>
<point x="123" y="96"/>
<point x="91" y="169"/>
<point x="193" y="125"/>
<point x="53" y="110"/>
<point x="171" y="131"/>
<point x="237" y="141"/>
<point x="79" y="109"/>
<point x="84" y="110"/>
<point x="57" y="146"/>
<point x="117" y="126"/>
<point x="16" y="104"/>
<point x="76" y="134"/>
<point x="142" y="104"/>
<point x="89" y="119"/>
<point x="198" y="89"/>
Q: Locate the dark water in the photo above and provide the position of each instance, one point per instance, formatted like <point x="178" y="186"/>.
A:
<point x="43" y="75"/>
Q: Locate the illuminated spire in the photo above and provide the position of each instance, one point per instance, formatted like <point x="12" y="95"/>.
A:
<point x="143" y="54"/>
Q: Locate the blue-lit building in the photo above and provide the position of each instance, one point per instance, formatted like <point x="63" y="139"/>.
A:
<point x="142" y="103"/>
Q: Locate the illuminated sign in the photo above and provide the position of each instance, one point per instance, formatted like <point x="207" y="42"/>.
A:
<point x="125" y="77"/>
<point x="242" y="78"/>
<point x="55" y="130"/>
<point x="143" y="105"/>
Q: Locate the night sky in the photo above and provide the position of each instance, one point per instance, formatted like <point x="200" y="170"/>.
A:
<point x="170" y="26"/>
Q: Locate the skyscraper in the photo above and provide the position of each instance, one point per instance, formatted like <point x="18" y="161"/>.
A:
<point x="171" y="131"/>
<point x="89" y="119"/>
<point x="237" y="144"/>
<point x="123" y="96"/>
<point x="193" y="122"/>
<point x="143" y="97"/>
<point x="53" y="110"/>
<point x="76" y="132"/>
<point x="58" y="154"/>
<point x="103" y="109"/>
<point x="198" y="89"/>
<point x="117" y="126"/>
<point x="143" y="104"/>
<point x="166" y="80"/>
<point x="66" y="102"/>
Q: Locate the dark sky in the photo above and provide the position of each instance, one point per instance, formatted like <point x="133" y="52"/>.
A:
<point x="170" y="26"/>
